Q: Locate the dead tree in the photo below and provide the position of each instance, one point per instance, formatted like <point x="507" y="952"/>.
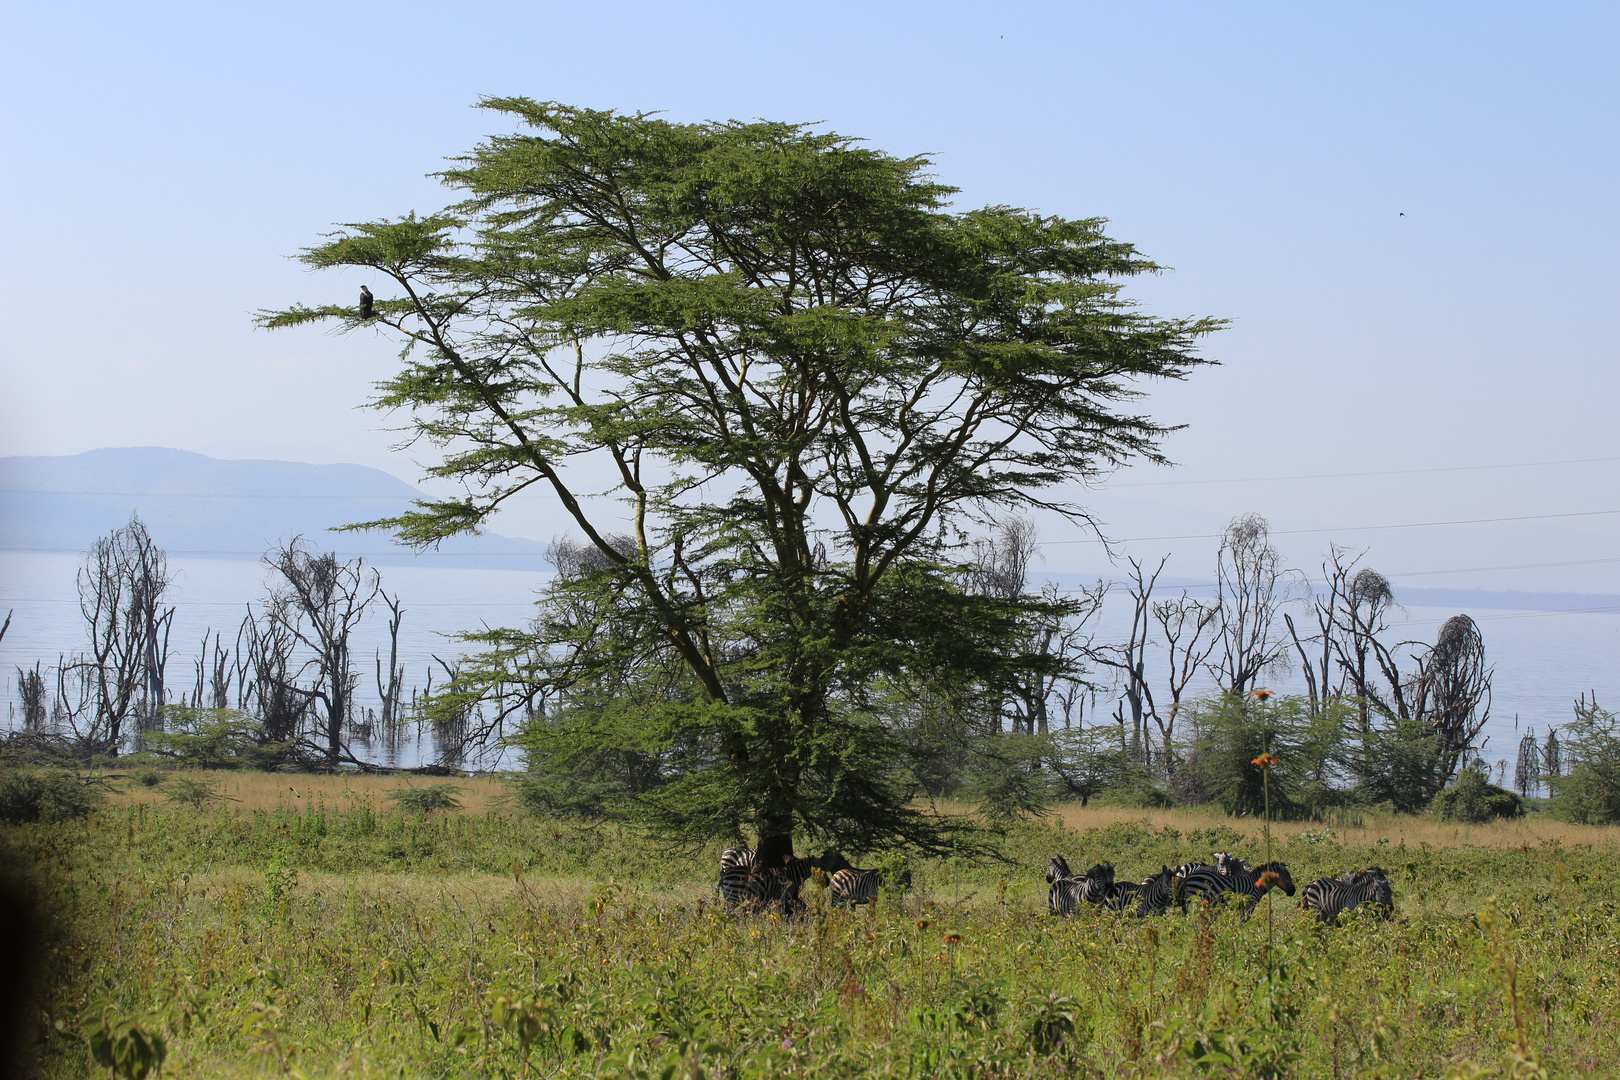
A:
<point x="392" y="690"/>
<point x="1453" y="690"/>
<point x="1527" y="772"/>
<point x="121" y="589"/>
<point x="1251" y="589"/>
<point x="1188" y="629"/>
<point x="319" y="601"/>
<point x="267" y="679"/>
<point x="1129" y="659"/>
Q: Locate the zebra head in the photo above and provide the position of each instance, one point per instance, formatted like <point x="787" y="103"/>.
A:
<point x="1057" y="867"/>
<point x="1285" y="880"/>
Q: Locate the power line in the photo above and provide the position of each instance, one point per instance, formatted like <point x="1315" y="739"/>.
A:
<point x="1350" y="528"/>
<point x="1353" y="475"/>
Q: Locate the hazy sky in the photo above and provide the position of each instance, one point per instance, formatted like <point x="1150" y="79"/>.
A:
<point x="161" y="162"/>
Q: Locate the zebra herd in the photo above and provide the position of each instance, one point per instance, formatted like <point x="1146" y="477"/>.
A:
<point x="747" y="886"/>
<point x="1228" y="878"/>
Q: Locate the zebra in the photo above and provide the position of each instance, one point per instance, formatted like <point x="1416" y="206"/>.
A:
<point x="1328" y="897"/>
<point x="1057" y="867"/>
<point x="1156" y="892"/>
<point x="1095" y="886"/>
<point x="857" y="886"/>
<point x="1214" y="886"/>
<point x="737" y="858"/>
<point x="755" y="889"/>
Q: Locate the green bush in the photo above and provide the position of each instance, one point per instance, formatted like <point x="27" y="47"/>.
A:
<point x="213" y="739"/>
<point x="1590" y="794"/>
<point x="46" y="796"/>
<point x="428" y="799"/>
<point x="1476" y="800"/>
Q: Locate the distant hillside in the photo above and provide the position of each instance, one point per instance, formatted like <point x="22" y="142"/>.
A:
<point x="198" y="505"/>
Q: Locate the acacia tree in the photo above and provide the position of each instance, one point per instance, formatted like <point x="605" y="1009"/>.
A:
<point x="801" y="370"/>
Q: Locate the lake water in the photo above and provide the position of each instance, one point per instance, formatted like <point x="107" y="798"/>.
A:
<point x="1543" y="660"/>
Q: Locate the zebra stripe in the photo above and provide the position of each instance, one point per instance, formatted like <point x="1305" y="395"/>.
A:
<point x="1057" y="867"/>
<point x="1213" y="886"/>
<point x="1156" y="893"/>
<point x="755" y="889"/>
<point x="1328" y="897"/>
<point x="742" y="858"/>
<point x="1095" y="886"/>
<point x="856" y="886"/>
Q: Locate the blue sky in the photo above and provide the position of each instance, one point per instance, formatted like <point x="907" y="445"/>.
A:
<point x="162" y="161"/>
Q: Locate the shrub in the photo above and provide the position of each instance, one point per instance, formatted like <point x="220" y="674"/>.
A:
<point x="148" y="777"/>
<point x="189" y="791"/>
<point x="1476" y="800"/>
<point x="46" y="797"/>
<point x="428" y="799"/>
<point x="1590" y="794"/>
<point x="214" y="739"/>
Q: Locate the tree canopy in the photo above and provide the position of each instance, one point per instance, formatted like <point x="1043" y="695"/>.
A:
<point x="806" y="378"/>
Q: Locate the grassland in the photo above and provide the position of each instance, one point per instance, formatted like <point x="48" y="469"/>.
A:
<point x="310" y="928"/>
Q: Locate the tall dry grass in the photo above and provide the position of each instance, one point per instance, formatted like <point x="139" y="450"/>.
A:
<point x="247" y="791"/>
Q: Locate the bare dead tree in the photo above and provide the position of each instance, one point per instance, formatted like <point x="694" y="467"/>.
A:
<point x="267" y="679"/>
<point x="393" y="689"/>
<point x="319" y="601"/>
<point x="1129" y="658"/>
<point x="1188" y="629"/>
<point x="1355" y="625"/>
<point x="1552" y="758"/>
<point x="1251" y="589"/>
<point x="1527" y="771"/>
<point x="1452" y="690"/>
<point x="121" y="590"/>
<point x="214" y="668"/>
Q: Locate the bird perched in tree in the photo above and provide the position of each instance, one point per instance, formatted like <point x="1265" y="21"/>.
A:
<point x="365" y="302"/>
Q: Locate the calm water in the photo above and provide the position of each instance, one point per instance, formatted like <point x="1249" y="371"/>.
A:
<point x="1542" y="660"/>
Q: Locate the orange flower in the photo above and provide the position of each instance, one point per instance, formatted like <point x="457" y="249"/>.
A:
<point x="922" y="924"/>
<point x="953" y="939"/>
<point x="1266" y="761"/>
<point x="1261" y="694"/>
<point x="1268" y="879"/>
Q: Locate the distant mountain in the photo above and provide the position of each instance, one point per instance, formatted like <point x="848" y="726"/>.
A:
<point x="197" y="505"/>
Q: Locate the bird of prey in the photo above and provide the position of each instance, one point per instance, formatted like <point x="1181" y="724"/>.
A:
<point x="1403" y="213"/>
<point x="365" y="302"/>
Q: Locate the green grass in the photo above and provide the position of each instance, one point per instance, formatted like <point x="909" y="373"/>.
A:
<point x="307" y="939"/>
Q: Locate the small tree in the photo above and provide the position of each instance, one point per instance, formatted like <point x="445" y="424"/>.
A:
<point x="1589" y="793"/>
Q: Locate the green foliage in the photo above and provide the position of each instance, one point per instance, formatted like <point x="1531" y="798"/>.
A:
<point x="1089" y="761"/>
<point x="213" y="739"/>
<point x="46" y="796"/>
<point x="1007" y="778"/>
<point x="1231" y="732"/>
<point x="459" y="968"/>
<point x="123" y="1045"/>
<point x="148" y="777"/>
<point x="1399" y="763"/>
<point x="1475" y="799"/>
<point x="1590" y="792"/>
<point x="429" y="799"/>
<point x="194" y="792"/>
<point x="808" y="373"/>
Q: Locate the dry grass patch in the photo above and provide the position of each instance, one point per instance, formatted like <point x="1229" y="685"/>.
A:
<point x="266" y="791"/>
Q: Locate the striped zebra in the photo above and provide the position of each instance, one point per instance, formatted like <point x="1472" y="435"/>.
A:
<point x="1057" y="867"/>
<point x="857" y="886"/>
<point x="1095" y="886"/>
<point x="756" y="889"/>
<point x="1156" y="892"/>
<point x="742" y="858"/>
<point x="1210" y="884"/>
<point x="1328" y="897"/>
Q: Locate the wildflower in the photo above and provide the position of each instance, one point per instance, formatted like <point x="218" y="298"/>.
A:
<point x="1260" y="695"/>
<point x="953" y="939"/>
<point x="1268" y="879"/>
<point x="1266" y="761"/>
<point x="922" y="924"/>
